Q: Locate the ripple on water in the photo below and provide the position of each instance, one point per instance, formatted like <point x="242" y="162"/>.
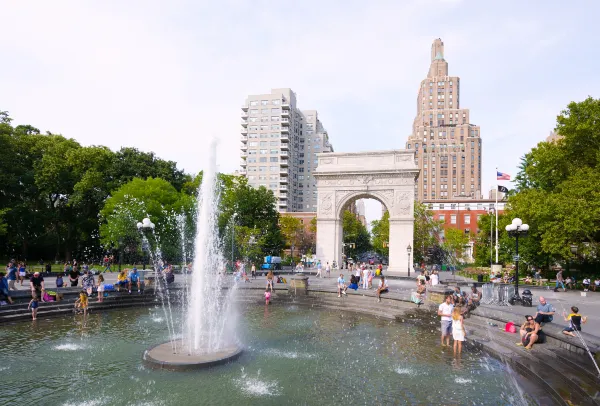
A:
<point x="91" y="402"/>
<point x="404" y="371"/>
<point x="69" y="347"/>
<point x="288" y="354"/>
<point x="256" y="386"/>
<point x="463" y="381"/>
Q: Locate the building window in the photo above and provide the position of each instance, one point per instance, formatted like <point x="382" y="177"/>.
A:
<point x="452" y="206"/>
<point x="467" y="231"/>
<point x="442" y="217"/>
<point x="254" y="111"/>
<point x="263" y="159"/>
<point x="274" y="159"/>
<point x="441" y="206"/>
<point x="254" y="103"/>
<point x="467" y="219"/>
<point x="453" y="219"/>
<point x="276" y="102"/>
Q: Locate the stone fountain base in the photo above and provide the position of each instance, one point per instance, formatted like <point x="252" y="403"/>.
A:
<point x="163" y="357"/>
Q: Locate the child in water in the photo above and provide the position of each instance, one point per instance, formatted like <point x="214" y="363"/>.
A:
<point x="82" y="303"/>
<point x="33" y="305"/>
<point x="458" y="329"/>
<point x="267" y="296"/>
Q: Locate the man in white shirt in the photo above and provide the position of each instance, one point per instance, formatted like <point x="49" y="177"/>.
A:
<point x="445" y="311"/>
<point x="327" y="269"/>
<point x="435" y="278"/>
<point x="365" y="276"/>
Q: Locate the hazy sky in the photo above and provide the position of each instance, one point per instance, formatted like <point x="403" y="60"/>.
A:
<point x="166" y="76"/>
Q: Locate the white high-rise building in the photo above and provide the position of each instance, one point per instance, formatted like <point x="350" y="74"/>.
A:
<point x="279" y="147"/>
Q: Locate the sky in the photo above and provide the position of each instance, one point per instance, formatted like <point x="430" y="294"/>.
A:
<point x="169" y="76"/>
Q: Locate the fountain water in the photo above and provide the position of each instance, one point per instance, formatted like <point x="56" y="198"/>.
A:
<point x="211" y="316"/>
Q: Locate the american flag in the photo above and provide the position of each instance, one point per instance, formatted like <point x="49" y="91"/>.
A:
<point x="502" y="176"/>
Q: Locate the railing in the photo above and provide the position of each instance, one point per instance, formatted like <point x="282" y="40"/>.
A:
<point x="497" y="294"/>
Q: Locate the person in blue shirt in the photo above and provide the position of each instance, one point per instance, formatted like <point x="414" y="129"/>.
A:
<point x="11" y="276"/>
<point x="341" y="285"/>
<point x="4" y="289"/>
<point x="545" y="312"/>
<point x="134" y="278"/>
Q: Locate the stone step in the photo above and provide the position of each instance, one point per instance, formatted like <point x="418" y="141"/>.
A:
<point x="566" y="384"/>
<point x="579" y="367"/>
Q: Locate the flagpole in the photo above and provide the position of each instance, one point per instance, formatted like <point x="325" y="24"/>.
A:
<point x="496" y="208"/>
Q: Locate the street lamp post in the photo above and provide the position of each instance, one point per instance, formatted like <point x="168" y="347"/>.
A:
<point x="142" y="226"/>
<point x="408" y="251"/>
<point x="517" y="229"/>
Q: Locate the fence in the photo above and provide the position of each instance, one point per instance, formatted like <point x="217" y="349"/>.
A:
<point x="498" y="294"/>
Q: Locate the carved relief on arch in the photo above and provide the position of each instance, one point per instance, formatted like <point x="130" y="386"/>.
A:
<point x="326" y="204"/>
<point x="403" y="202"/>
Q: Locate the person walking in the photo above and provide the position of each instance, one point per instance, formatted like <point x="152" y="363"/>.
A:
<point x="435" y="278"/>
<point x="365" y="278"/>
<point x="22" y="272"/>
<point x="4" y="292"/>
<point x="253" y="271"/>
<point x="560" y="280"/>
<point x="445" y="311"/>
<point x="11" y="275"/>
<point x="327" y="270"/>
<point x="33" y="305"/>
<point x="318" y="270"/>
<point x="270" y="281"/>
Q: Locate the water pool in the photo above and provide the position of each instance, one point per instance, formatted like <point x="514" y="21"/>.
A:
<point x="293" y="355"/>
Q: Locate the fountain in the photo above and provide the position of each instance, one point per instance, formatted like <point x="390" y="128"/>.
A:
<point x="209" y="329"/>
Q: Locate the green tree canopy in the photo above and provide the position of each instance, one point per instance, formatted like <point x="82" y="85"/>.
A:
<point x="355" y="233"/>
<point x="559" y="187"/>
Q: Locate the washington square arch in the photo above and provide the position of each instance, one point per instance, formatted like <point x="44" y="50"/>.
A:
<point x="386" y="176"/>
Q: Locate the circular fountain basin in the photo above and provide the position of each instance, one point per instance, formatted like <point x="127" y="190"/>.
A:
<point x="162" y="356"/>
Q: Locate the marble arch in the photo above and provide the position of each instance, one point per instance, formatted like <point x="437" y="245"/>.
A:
<point x="387" y="176"/>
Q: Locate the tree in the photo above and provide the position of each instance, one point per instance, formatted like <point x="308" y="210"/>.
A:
<point x="291" y="228"/>
<point x="426" y="233"/>
<point x="380" y="231"/>
<point x="559" y="190"/>
<point x="355" y="233"/>
<point x="153" y="198"/>
<point x="455" y="241"/>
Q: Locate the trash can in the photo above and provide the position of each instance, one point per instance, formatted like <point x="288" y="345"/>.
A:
<point x="480" y="278"/>
<point x="526" y="298"/>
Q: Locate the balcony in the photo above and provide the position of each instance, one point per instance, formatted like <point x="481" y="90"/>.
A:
<point x="245" y="114"/>
<point x="284" y="162"/>
<point x="285" y="146"/>
<point x="283" y="172"/>
<point x="285" y="121"/>
<point x="285" y="105"/>
<point x="284" y="138"/>
<point x="244" y="108"/>
<point x="283" y="153"/>
<point x="244" y="123"/>
<point x="242" y="172"/>
<point x="244" y="147"/>
<point x="283" y="180"/>
<point x="285" y="113"/>
<point x="243" y="163"/>
<point x="285" y="130"/>
<point x="283" y="197"/>
<point x="244" y="138"/>
<point x="244" y="130"/>
<point x="244" y="155"/>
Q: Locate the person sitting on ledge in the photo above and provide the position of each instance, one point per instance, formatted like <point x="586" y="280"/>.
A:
<point x="383" y="288"/>
<point x="533" y="335"/>
<point x="134" y="279"/>
<point x="341" y="285"/>
<point x="545" y="312"/>
<point x="121" y="280"/>
<point x="353" y="284"/>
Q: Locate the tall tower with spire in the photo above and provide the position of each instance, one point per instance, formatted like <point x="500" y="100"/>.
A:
<point x="447" y="146"/>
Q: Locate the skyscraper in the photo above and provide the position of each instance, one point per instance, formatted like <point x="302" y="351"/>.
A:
<point x="279" y="147"/>
<point x="447" y="146"/>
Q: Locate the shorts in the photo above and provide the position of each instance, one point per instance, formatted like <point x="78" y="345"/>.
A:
<point x="570" y="329"/>
<point x="384" y="291"/>
<point x="446" y="327"/>
<point x="22" y="274"/>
